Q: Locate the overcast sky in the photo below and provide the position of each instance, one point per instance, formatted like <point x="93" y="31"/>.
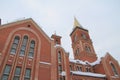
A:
<point x="100" y="17"/>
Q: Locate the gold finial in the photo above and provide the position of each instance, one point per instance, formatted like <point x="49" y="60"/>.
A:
<point x="76" y="23"/>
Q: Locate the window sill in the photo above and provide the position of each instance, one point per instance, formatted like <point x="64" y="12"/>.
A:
<point x="12" y="53"/>
<point x="30" y="57"/>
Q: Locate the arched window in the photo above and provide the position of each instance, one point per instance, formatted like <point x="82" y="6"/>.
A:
<point x="60" y="78"/>
<point x="75" y="38"/>
<point x="63" y="77"/>
<point x="77" y="52"/>
<point x="32" y="47"/>
<point x="14" y="45"/>
<point x="17" y="73"/>
<point x="83" y="36"/>
<point x="23" y="46"/>
<point x="87" y="48"/>
<point x="6" y="72"/>
<point x="27" y="74"/>
<point x="79" y="68"/>
<point x="57" y="42"/>
<point x="88" y="69"/>
<point x="70" y="68"/>
<point x="114" y="69"/>
<point x="59" y="68"/>
<point x="59" y="57"/>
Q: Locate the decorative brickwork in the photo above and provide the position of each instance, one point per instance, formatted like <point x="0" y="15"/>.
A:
<point x="27" y="53"/>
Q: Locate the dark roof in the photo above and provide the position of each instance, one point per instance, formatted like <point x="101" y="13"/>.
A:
<point x="77" y="27"/>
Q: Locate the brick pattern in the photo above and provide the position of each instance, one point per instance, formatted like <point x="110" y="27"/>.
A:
<point x="44" y="64"/>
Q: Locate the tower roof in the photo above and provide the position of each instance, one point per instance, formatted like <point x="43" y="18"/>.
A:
<point x="77" y="25"/>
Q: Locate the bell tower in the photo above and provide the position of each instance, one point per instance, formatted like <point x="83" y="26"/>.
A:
<point x="82" y="44"/>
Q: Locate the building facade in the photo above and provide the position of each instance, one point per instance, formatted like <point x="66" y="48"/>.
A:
<point x="27" y="53"/>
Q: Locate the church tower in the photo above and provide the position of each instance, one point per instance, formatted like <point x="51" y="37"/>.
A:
<point x="82" y="44"/>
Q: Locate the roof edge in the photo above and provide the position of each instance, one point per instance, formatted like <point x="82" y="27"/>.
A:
<point x="78" y="28"/>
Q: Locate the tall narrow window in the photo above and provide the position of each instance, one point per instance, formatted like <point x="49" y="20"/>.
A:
<point x="70" y="68"/>
<point x="57" y="42"/>
<point x="14" y="45"/>
<point x="87" y="48"/>
<point x="79" y="68"/>
<point x="88" y="69"/>
<point x="27" y="74"/>
<point x="75" y="38"/>
<point x="77" y="52"/>
<point x="83" y="36"/>
<point x="59" y="68"/>
<point x="23" y="47"/>
<point x="59" y="56"/>
<point x="114" y="69"/>
<point x="17" y="73"/>
<point x="63" y="77"/>
<point x="31" y="51"/>
<point x="6" y="72"/>
<point x="60" y="78"/>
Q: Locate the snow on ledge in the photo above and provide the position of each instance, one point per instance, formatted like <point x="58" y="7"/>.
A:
<point x="88" y="74"/>
<point x="78" y="61"/>
<point x="58" y="45"/>
<point x="63" y="73"/>
<point x="95" y="62"/>
<point x="45" y="63"/>
<point x="86" y="62"/>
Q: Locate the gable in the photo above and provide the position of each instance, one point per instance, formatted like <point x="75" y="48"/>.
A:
<point x="108" y="57"/>
<point x="32" y="30"/>
<point x="107" y="61"/>
<point x="29" y="22"/>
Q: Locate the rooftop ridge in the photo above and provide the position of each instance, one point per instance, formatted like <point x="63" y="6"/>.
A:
<point x="16" y="20"/>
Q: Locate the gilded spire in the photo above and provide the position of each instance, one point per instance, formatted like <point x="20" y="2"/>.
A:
<point x="76" y="23"/>
<point x="77" y="26"/>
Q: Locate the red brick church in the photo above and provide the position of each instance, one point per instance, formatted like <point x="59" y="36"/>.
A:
<point x="27" y="53"/>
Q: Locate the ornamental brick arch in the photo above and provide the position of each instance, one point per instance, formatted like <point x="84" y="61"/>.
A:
<point x="25" y="32"/>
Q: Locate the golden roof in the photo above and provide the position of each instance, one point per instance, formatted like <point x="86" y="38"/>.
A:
<point x="76" y="23"/>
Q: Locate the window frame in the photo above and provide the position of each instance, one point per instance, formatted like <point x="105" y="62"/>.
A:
<point x="24" y="44"/>
<point x="26" y="76"/>
<point x="31" y="49"/>
<point x="59" y="57"/>
<point x="60" y="69"/>
<point x="71" y="68"/>
<point x="79" y="68"/>
<point x="4" y="72"/>
<point x="16" y="74"/>
<point x="88" y="49"/>
<point x="84" y="36"/>
<point x="15" y="45"/>
<point x="114" y="69"/>
<point x="77" y="51"/>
